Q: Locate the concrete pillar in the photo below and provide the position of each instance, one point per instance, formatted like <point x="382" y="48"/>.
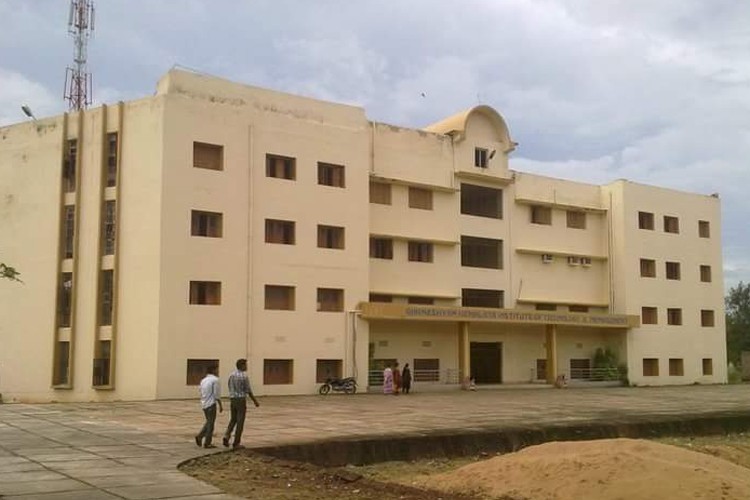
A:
<point x="551" y="343"/>
<point x="464" y="359"/>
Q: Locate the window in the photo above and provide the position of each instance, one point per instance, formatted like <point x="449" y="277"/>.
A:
<point x="704" y="229"/>
<point x="646" y="221"/>
<point x="380" y="193"/>
<point x="380" y="297"/>
<point x="676" y="368"/>
<point x="327" y="368"/>
<point x="281" y="167"/>
<point x="547" y="258"/>
<point x="69" y="166"/>
<point x="65" y="300"/>
<point x="61" y="372"/>
<point x="476" y="297"/>
<point x="330" y="237"/>
<point x="574" y="261"/>
<point x="331" y="175"/>
<point x="674" y="316"/>
<point x="208" y="156"/>
<point x="671" y="224"/>
<point x="198" y="368"/>
<point x="109" y="227"/>
<point x="280" y="231"/>
<point x="649" y="315"/>
<point x="208" y="224"/>
<point x="279" y="297"/>
<point x="673" y="270"/>
<point x="427" y="301"/>
<point x="111" y="172"/>
<point x="101" y="369"/>
<point x="708" y="366"/>
<point x="420" y="251"/>
<point x="481" y="158"/>
<point x="481" y="252"/>
<point x="707" y="317"/>
<point x="481" y="201"/>
<point x="705" y="273"/>
<point x="278" y="371"/>
<point x="69" y="231"/>
<point x="546" y="307"/>
<point x="106" y="291"/>
<point x="650" y="367"/>
<point x="205" y="293"/>
<point x="426" y="370"/>
<point x="580" y="369"/>
<point x="578" y="308"/>
<point x="541" y="215"/>
<point x="648" y="268"/>
<point x="576" y="219"/>
<point x="330" y="299"/>
<point x="381" y="248"/>
<point x="541" y="369"/>
<point x="420" y="198"/>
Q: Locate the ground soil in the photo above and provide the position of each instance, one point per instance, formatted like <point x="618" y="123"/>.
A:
<point x="594" y="469"/>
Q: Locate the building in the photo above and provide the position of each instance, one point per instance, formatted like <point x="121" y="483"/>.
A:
<point x="214" y="221"/>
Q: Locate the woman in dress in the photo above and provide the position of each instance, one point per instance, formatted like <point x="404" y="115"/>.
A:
<point x="387" y="380"/>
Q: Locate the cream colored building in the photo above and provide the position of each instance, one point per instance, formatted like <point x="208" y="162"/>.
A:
<point x="215" y="221"/>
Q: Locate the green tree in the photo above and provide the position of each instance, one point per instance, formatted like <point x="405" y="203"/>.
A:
<point x="9" y="273"/>
<point x="738" y="321"/>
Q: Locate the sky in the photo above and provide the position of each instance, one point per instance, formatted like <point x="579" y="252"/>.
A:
<point x="654" y="91"/>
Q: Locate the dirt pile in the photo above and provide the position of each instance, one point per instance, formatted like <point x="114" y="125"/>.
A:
<point x="603" y="470"/>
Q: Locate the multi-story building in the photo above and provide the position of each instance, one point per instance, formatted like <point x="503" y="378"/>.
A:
<point x="215" y="221"/>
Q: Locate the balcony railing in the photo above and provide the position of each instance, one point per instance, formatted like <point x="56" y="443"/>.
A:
<point x="445" y="376"/>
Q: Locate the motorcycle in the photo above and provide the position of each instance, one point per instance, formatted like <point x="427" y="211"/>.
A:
<point x="346" y="385"/>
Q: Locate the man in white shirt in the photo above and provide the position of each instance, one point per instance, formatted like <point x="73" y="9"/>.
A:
<point x="210" y="397"/>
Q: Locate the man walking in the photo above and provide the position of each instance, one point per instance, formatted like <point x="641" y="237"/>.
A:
<point x="239" y="391"/>
<point x="210" y="397"/>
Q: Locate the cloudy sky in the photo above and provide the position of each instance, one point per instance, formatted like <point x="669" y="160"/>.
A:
<point x="655" y="91"/>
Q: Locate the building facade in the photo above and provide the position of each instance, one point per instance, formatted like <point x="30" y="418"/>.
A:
<point x="215" y="221"/>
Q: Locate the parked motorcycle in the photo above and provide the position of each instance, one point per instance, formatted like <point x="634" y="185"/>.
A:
<point x="346" y="385"/>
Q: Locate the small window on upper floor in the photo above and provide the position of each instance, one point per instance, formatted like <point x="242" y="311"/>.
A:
<point x="420" y="251"/>
<point x="208" y="156"/>
<point x="111" y="167"/>
<point x="205" y="293"/>
<point x="380" y="193"/>
<point x="420" y="198"/>
<point x="576" y="219"/>
<point x="673" y="270"/>
<point x="674" y="316"/>
<point x="381" y="248"/>
<point x="330" y="300"/>
<point x="330" y="237"/>
<point x="331" y="175"/>
<point x="646" y="220"/>
<point x="707" y="317"/>
<point x="704" y="229"/>
<point x="281" y="167"/>
<point x="478" y="297"/>
<point x="280" y="231"/>
<point x="481" y="252"/>
<point x="481" y="201"/>
<point x="279" y="298"/>
<point x="541" y="215"/>
<point x="209" y="224"/>
<point x="649" y="315"/>
<point x="380" y="297"/>
<point x="69" y="166"/>
<point x="705" y="273"/>
<point x="671" y="224"/>
<point x="648" y="268"/>
<point x="546" y="307"/>
<point x="481" y="158"/>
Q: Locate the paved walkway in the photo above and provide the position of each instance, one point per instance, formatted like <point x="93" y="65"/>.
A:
<point x="131" y="450"/>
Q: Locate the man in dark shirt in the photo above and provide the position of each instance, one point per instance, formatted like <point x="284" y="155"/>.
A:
<point x="239" y="391"/>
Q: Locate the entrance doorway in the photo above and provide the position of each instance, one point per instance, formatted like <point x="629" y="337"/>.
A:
<point x="486" y="360"/>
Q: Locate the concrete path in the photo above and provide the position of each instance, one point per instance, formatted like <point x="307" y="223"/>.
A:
<point x="131" y="450"/>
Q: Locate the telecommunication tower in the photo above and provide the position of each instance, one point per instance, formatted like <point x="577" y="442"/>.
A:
<point x="78" y="84"/>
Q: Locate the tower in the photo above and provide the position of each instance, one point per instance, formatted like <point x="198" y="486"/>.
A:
<point x="78" y="84"/>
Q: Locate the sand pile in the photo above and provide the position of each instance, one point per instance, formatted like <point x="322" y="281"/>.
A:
<point x="601" y="470"/>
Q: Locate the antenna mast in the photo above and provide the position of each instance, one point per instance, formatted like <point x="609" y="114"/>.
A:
<point x="78" y="84"/>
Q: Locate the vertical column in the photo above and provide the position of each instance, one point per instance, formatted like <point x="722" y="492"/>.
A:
<point x="551" y="343"/>
<point x="464" y="359"/>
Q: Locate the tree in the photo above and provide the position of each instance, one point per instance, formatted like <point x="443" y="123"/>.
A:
<point x="738" y="321"/>
<point x="9" y="273"/>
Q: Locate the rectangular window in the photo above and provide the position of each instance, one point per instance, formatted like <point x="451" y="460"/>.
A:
<point x="69" y="231"/>
<point x="208" y="224"/>
<point x="197" y="369"/>
<point x="206" y="293"/>
<point x="648" y="268"/>
<point x="481" y="252"/>
<point x="109" y="227"/>
<point x="208" y="156"/>
<point x="427" y="301"/>
<point x="580" y="369"/>
<point x="101" y="368"/>
<point x="420" y="198"/>
<point x="671" y="224"/>
<point x="676" y="367"/>
<point x="476" y="297"/>
<point x="381" y="248"/>
<point x="61" y="372"/>
<point x="281" y="232"/>
<point x="650" y="367"/>
<point x="481" y="158"/>
<point x="673" y="270"/>
<point x="380" y="297"/>
<point x="420" y="251"/>
<point x="327" y="368"/>
<point x="704" y="229"/>
<point x="65" y="300"/>
<point x="705" y="274"/>
<point x="106" y="294"/>
<point x="707" y="317"/>
<point x="708" y="366"/>
<point x="481" y="201"/>
<point x="646" y="221"/>
<point x="576" y="219"/>
<point x="541" y="215"/>
<point x="330" y="299"/>
<point x="649" y="315"/>
<point x="380" y="193"/>
<point x="331" y="175"/>
<point x="278" y="371"/>
<point x="674" y="316"/>
<point x="69" y="166"/>
<point x="279" y="297"/>
<point x="546" y="307"/>
<point x="578" y="308"/>
<point x="541" y="369"/>
<point x="111" y="173"/>
<point x="281" y="167"/>
<point x="330" y="237"/>
<point x="427" y="370"/>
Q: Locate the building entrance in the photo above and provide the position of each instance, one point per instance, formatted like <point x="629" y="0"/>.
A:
<point x="486" y="362"/>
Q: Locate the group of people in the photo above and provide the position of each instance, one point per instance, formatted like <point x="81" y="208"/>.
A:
<point x="239" y="391"/>
<point x="396" y="381"/>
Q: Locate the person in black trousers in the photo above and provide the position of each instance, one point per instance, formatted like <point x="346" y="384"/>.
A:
<point x="239" y="391"/>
